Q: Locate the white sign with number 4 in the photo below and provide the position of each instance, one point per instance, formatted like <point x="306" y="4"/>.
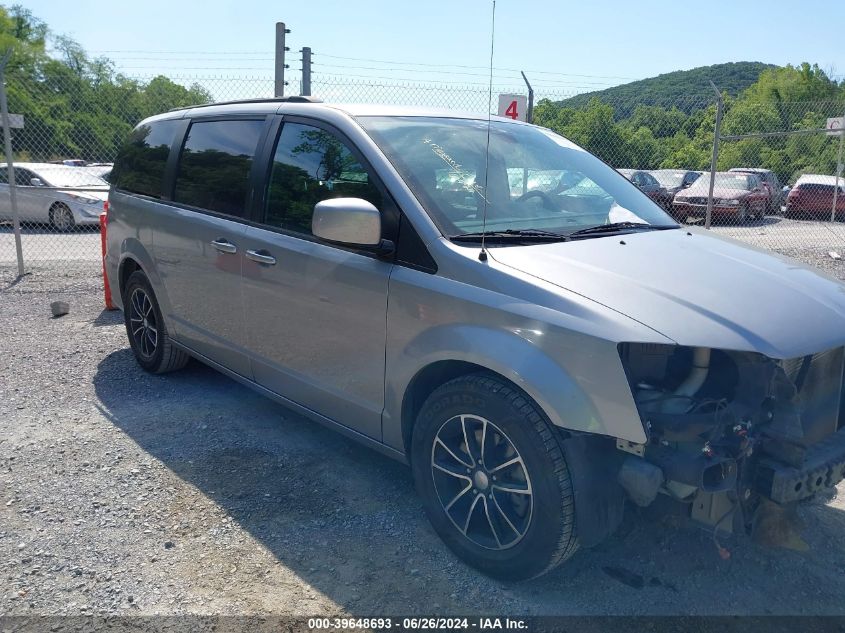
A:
<point x="513" y="106"/>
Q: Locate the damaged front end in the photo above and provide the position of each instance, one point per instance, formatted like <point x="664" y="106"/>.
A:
<point x="736" y="438"/>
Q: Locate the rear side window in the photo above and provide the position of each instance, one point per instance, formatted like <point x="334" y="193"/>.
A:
<point x="311" y="165"/>
<point x="140" y="166"/>
<point x="215" y="164"/>
<point x="819" y="189"/>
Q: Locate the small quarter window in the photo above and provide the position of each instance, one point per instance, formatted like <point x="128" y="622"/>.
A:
<point x="215" y="165"/>
<point x="140" y="166"/>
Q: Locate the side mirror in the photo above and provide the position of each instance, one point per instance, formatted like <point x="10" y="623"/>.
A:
<point x="349" y="221"/>
<point x="36" y="182"/>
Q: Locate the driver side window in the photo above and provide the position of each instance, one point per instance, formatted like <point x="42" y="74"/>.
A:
<point x="311" y="165"/>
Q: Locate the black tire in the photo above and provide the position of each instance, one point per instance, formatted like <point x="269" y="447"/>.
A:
<point x="156" y="354"/>
<point x="743" y="215"/>
<point x="61" y="218"/>
<point x="530" y="540"/>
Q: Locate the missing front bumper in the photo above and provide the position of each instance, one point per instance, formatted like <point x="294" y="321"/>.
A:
<point x="823" y="467"/>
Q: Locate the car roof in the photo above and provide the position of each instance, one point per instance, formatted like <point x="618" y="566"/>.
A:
<point x="750" y="170"/>
<point x="818" y="179"/>
<point x="41" y="165"/>
<point x="308" y="105"/>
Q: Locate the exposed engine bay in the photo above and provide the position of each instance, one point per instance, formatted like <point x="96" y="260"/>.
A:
<point x="736" y="436"/>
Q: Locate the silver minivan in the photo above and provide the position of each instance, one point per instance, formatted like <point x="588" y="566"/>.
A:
<point x="491" y="304"/>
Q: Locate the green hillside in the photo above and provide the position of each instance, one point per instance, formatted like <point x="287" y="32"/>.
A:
<point x="688" y="90"/>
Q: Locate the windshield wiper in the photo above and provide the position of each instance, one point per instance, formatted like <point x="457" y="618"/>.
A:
<point x="537" y="235"/>
<point x="614" y="227"/>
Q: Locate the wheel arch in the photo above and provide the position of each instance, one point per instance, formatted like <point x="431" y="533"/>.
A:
<point x="134" y="256"/>
<point x="502" y="354"/>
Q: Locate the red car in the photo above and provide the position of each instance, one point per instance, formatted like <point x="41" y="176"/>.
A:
<point x="814" y="197"/>
<point x="737" y="195"/>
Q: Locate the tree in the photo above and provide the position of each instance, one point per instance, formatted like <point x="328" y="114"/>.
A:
<point x="75" y="106"/>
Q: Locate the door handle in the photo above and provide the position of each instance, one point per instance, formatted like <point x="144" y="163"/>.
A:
<point x="261" y="258"/>
<point x="224" y="246"/>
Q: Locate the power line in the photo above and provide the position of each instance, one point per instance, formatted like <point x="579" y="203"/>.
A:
<point x="320" y="79"/>
<point x="195" y="59"/>
<point x="516" y="70"/>
<point x="426" y="71"/>
<point x="264" y="52"/>
<point x="269" y="57"/>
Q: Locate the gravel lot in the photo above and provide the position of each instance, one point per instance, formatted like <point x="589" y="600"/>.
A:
<point x="125" y="493"/>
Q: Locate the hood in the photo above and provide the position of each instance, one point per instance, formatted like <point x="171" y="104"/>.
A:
<point x="93" y="194"/>
<point x="697" y="289"/>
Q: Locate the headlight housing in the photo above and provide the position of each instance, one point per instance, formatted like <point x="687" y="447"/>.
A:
<point x="85" y="199"/>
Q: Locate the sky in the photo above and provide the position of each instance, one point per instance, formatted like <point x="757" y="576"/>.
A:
<point x="566" y="46"/>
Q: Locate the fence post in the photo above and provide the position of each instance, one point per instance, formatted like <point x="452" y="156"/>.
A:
<point x="838" y="170"/>
<point x="10" y="162"/>
<point x="280" y="59"/>
<point x="306" y="71"/>
<point x="716" y="133"/>
<point x="529" y="116"/>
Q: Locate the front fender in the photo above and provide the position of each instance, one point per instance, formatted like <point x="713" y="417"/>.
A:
<point x="558" y="390"/>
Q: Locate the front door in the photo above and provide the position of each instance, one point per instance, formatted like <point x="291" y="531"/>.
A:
<point x="316" y="313"/>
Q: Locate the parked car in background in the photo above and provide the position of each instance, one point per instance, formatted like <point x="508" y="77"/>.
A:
<point x="812" y="195"/>
<point x="772" y="184"/>
<point x="100" y="169"/>
<point x="675" y="178"/>
<point x="77" y="200"/>
<point x="648" y="184"/>
<point x="735" y="194"/>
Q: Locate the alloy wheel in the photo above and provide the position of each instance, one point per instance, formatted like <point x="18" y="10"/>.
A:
<point x="142" y="319"/>
<point x="482" y="482"/>
<point x="62" y="218"/>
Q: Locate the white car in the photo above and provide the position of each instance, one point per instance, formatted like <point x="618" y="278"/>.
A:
<point x="53" y="194"/>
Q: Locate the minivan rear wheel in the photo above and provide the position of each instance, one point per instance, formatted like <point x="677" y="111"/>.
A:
<point x="146" y="329"/>
<point x="492" y="475"/>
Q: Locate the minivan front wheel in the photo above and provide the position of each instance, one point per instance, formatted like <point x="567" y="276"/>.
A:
<point x="146" y="329"/>
<point x="493" y="478"/>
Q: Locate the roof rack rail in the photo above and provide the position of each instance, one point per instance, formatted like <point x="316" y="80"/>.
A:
<point x="291" y="99"/>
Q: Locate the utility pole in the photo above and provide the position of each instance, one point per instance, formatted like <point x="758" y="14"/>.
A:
<point x="306" y="71"/>
<point x="280" y="59"/>
<point x="720" y="105"/>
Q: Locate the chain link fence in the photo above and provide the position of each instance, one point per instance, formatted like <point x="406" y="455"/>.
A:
<point x="774" y="183"/>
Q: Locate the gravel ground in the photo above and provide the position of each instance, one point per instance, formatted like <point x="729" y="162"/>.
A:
<point x="125" y="493"/>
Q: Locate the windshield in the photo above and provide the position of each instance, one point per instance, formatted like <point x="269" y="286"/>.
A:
<point x="669" y="178"/>
<point x="537" y="180"/>
<point x="728" y="180"/>
<point x="70" y="177"/>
